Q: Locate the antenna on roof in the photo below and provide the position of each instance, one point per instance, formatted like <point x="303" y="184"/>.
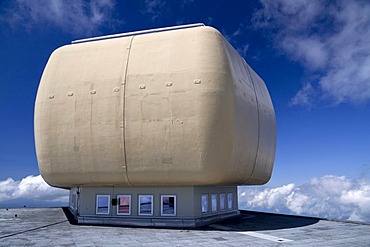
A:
<point x="120" y="35"/>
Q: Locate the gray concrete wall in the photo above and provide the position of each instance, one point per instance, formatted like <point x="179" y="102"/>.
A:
<point x="188" y="200"/>
<point x="184" y="199"/>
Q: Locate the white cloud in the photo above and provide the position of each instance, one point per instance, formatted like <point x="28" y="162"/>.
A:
<point x="31" y="188"/>
<point x="303" y="97"/>
<point x="231" y="37"/>
<point x="310" y="51"/>
<point x="209" y="20"/>
<point x="330" y="197"/>
<point x="237" y="39"/>
<point x="243" y="49"/>
<point x="76" y="16"/>
<point x="154" y="8"/>
<point x="330" y="39"/>
<point x="186" y="3"/>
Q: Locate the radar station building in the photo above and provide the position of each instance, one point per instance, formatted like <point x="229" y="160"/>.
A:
<point x="153" y="128"/>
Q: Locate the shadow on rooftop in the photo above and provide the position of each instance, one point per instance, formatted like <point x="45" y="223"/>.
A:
<point x="258" y="221"/>
<point x="69" y="215"/>
<point x="246" y="221"/>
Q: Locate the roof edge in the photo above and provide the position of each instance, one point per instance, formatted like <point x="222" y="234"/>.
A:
<point x="119" y="35"/>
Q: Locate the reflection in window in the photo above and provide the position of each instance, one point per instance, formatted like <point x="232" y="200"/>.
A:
<point x="222" y="201"/>
<point x="230" y="200"/>
<point x="168" y="205"/>
<point x="145" y="205"/>
<point x="214" y="202"/>
<point x="124" y="204"/>
<point x="102" y="204"/>
<point x="204" y="203"/>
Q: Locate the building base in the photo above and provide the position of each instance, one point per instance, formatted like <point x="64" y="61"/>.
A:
<point x="154" y="222"/>
<point x="178" y="207"/>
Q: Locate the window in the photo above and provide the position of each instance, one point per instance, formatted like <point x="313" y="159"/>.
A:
<point x="124" y="204"/>
<point x="222" y="202"/>
<point x="145" y="205"/>
<point x="204" y="203"/>
<point x="230" y="200"/>
<point x="102" y="204"/>
<point x="214" y="202"/>
<point x="168" y="205"/>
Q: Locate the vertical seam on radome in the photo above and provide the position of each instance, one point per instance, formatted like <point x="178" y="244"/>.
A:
<point x="124" y="109"/>
<point x="258" y="119"/>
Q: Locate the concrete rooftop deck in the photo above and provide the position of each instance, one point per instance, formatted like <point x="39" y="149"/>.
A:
<point x="50" y="227"/>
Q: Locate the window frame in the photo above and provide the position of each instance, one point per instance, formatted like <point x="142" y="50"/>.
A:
<point x="151" y="208"/>
<point x="175" y="205"/>
<point x="97" y="204"/>
<point x="222" y="202"/>
<point x="207" y="203"/>
<point x="230" y="205"/>
<point x="129" y="204"/>
<point x="214" y="207"/>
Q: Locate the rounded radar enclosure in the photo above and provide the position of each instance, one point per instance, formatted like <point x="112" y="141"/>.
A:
<point x="172" y="107"/>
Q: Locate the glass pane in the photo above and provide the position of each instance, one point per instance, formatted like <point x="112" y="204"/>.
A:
<point x="230" y="201"/>
<point x="222" y="201"/>
<point x="168" y="205"/>
<point x="103" y="205"/>
<point x="145" y="204"/>
<point x="204" y="203"/>
<point x="124" y="204"/>
<point x="214" y="202"/>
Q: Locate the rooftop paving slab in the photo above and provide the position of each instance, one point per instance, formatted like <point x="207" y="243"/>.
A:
<point x="50" y="227"/>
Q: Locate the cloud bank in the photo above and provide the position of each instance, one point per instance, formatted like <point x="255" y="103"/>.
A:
<point x="331" y="39"/>
<point x="76" y="16"/>
<point x="330" y="197"/>
<point x="31" y="189"/>
<point x="333" y="197"/>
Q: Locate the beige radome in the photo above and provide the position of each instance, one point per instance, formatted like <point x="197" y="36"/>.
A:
<point x="170" y="108"/>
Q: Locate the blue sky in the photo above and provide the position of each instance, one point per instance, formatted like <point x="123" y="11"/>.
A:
<point x="314" y="57"/>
